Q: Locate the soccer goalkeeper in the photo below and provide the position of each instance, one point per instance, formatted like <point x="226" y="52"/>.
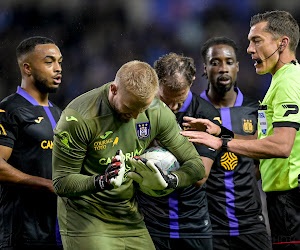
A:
<point x="95" y="137"/>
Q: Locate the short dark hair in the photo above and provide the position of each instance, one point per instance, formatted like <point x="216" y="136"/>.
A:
<point x="29" y="44"/>
<point x="173" y="64"/>
<point x="279" y="23"/>
<point x="216" y="41"/>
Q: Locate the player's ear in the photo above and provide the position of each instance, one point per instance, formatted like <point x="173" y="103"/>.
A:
<point x="27" y="68"/>
<point x="204" y="70"/>
<point x="113" y="88"/>
<point x="237" y="66"/>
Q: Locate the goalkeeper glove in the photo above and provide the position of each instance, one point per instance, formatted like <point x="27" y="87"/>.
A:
<point x="149" y="175"/>
<point x="114" y="173"/>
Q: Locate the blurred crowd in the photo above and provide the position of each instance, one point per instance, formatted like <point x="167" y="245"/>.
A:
<point x="97" y="37"/>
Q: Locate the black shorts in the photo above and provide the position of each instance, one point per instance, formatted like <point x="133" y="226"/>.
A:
<point x="182" y="243"/>
<point x="284" y="217"/>
<point x="256" y="241"/>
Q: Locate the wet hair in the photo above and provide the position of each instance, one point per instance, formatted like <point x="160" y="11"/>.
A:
<point x="279" y="23"/>
<point x="29" y="44"/>
<point x="217" y="41"/>
<point x="175" y="71"/>
<point x="138" y="78"/>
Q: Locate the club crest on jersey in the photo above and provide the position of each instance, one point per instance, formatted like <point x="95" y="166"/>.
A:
<point x="143" y="130"/>
<point x="229" y="161"/>
<point x="248" y="126"/>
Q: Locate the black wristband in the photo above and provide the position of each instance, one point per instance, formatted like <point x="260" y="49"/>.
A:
<point x="172" y="181"/>
<point x="225" y="140"/>
<point x="225" y="132"/>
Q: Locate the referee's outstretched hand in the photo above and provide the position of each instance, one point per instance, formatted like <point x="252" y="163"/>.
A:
<point x="201" y="125"/>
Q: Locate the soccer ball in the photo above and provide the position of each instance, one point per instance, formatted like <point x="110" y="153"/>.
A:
<point x="162" y="158"/>
<point x="166" y="161"/>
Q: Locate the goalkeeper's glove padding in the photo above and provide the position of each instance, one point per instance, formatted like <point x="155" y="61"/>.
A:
<point x="149" y="175"/>
<point x="113" y="176"/>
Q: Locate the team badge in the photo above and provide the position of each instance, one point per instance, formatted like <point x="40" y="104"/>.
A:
<point x="229" y="161"/>
<point x="248" y="126"/>
<point x="143" y="130"/>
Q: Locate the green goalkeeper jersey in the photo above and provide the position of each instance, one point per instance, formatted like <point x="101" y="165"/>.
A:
<point x="280" y="108"/>
<point x="86" y="139"/>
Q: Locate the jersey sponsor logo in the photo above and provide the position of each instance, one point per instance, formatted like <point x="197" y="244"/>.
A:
<point x="65" y="138"/>
<point x="100" y="145"/>
<point x="71" y="118"/>
<point x="248" y="126"/>
<point x="46" y="144"/>
<point x="106" y="161"/>
<point x="229" y="161"/>
<point x="39" y="119"/>
<point x="262" y="121"/>
<point x="2" y="130"/>
<point x="143" y="130"/>
<point x="2" y="111"/>
<point x="107" y="133"/>
<point x="292" y="109"/>
<point x="116" y="141"/>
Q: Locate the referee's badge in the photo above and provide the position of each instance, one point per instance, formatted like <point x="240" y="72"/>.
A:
<point x="143" y="130"/>
<point x="262" y="121"/>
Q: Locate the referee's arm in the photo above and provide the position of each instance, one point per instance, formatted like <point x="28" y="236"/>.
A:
<point x="12" y="176"/>
<point x="277" y="145"/>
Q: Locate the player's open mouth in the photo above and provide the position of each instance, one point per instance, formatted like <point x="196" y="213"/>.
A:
<point x="224" y="79"/>
<point x="57" y="79"/>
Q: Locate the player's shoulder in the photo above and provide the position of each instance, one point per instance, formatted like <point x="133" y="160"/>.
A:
<point x="91" y="103"/>
<point x="250" y="102"/>
<point x="13" y="102"/>
<point x="203" y="106"/>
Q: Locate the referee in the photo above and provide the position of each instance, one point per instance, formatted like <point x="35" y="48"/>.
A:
<point x="27" y="120"/>
<point x="274" y="38"/>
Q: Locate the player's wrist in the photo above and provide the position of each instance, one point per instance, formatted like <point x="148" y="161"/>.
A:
<point x="225" y="139"/>
<point x="225" y="132"/>
<point x="172" y="181"/>
<point x="101" y="183"/>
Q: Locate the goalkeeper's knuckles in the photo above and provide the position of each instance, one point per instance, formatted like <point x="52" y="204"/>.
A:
<point x="113" y="176"/>
<point x="149" y="175"/>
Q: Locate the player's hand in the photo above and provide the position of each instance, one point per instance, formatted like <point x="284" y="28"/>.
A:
<point x="203" y="139"/>
<point x="148" y="175"/>
<point x="114" y="173"/>
<point x="201" y="125"/>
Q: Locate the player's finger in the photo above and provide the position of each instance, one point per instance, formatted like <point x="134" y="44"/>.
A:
<point x="188" y="118"/>
<point x="138" y="164"/>
<point x="135" y="176"/>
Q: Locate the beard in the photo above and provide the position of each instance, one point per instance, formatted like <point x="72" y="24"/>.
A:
<point x="222" y="89"/>
<point x="41" y="84"/>
<point x="121" y="117"/>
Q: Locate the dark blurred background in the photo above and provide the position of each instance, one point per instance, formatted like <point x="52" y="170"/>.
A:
<point x="97" y="36"/>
